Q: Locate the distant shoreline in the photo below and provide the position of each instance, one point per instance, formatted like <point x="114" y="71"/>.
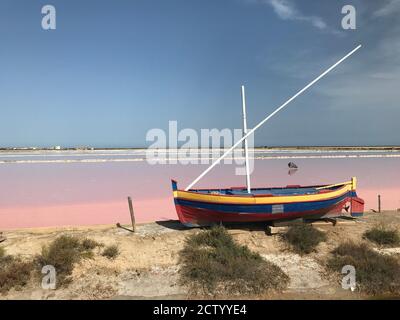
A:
<point x="325" y="148"/>
<point x="37" y="156"/>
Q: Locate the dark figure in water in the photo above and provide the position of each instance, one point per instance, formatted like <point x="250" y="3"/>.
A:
<point x="292" y="165"/>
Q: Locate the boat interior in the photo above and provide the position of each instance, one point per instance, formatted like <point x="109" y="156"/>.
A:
<point x="280" y="191"/>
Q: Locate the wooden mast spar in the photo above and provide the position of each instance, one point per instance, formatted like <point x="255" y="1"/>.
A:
<point x="245" y="136"/>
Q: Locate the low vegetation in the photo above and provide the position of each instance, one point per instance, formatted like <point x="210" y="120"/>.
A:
<point x="383" y="235"/>
<point x="63" y="253"/>
<point x="213" y="263"/>
<point x="111" y="252"/>
<point x="14" y="272"/>
<point x="90" y="244"/>
<point x="303" y="238"/>
<point x="4" y="258"/>
<point x="376" y="274"/>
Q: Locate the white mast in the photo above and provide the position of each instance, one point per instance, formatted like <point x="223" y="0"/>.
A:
<point x="246" y="152"/>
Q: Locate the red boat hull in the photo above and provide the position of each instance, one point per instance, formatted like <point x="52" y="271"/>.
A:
<point x="202" y="208"/>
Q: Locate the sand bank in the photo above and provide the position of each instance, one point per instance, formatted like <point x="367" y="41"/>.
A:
<point x="148" y="264"/>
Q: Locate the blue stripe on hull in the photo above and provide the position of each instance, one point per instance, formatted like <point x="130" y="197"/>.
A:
<point x="263" y="208"/>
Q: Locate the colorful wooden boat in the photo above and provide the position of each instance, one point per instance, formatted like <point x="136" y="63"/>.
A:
<point x="201" y="207"/>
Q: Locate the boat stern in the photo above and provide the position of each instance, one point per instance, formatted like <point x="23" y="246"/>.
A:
<point x="356" y="203"/>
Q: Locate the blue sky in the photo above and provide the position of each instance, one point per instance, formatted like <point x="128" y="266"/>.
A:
<point x="112" y="70"/>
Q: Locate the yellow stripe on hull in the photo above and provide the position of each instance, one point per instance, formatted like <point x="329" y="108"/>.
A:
<point x="194" y="196"/>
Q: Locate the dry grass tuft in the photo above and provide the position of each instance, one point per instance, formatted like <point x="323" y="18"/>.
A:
<point x="303" y="238"/>
<point x="111" y="252"/>
<point x="212" y="263"/>
<point x="376" y="273"/>
<point x="383" y="235"/>
<point x="63" y="253"/>
<point x="14" y="272"/>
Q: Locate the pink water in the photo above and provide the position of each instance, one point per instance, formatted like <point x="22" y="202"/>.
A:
<point x="60" y="194"/>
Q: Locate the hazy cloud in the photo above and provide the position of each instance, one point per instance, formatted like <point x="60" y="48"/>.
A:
<point x="374" y="87"/>
<point x="287" y="11"/>
<point x="390" y="7"/>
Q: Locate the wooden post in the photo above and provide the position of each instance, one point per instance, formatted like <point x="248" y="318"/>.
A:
<point x="132" y="214"/>
<point x="379" y="203"/>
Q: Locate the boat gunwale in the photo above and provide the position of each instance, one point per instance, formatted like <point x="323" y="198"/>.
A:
<point x="258" y="200"/>
<point x="259" y="188"/>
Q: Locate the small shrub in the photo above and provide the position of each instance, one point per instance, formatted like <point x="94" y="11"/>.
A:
<point x="14" y="273"/>
<point x="111" y="252"/>
<point x="89" y="244"/>
<point x="63" y="253"/>
<point x="212" y="263"/>
<point x="303" y="238"/>
<point x="383" y="236"/>
<point x="375" y="273"/>
<point x="4" y="258"/>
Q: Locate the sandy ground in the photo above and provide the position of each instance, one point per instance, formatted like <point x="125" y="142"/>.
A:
<point x="148" y="264"/>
